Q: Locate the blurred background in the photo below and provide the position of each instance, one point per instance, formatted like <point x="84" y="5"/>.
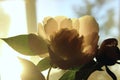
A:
<point x="22" y="16"/>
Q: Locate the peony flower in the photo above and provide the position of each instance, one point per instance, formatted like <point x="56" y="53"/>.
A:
<point x="72" y="42"/>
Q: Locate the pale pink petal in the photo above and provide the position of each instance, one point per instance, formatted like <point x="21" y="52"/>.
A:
<point x="89" y="29"/>
<point x="75" y="23"/>
<point x="60" y="18"/>
<point x="90" y="43"/>
<point x="66" y="23"/>
<point x="88" y="25"/>
<point x="51" y="26"/>
<point x="41" y="31"/>
<point x="46" y="19"/>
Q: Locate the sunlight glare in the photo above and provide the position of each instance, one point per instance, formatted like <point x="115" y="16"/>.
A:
<point x="10" y="67"/>
<point x="16" y="11"/>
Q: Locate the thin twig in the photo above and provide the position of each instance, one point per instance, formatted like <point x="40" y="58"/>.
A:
<point x="111" y="73"/>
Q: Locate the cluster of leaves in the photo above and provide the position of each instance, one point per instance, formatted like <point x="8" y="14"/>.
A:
<point x="32" y="45"/>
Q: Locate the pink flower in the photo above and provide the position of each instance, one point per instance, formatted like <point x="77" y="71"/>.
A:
<point x="72" y="42"/>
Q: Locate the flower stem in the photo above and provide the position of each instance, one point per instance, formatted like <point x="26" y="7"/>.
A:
<point x="49" y="72"/>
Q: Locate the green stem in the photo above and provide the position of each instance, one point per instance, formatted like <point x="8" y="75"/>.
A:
<point x="49" y="72"/>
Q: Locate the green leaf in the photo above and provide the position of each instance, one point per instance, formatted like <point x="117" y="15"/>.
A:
<point x="86" y="70"/>
<point x="44" y="64"/>
<point x="69" y="75"/>
<point x="30" y="71"/>
<point x="30" y="44"/>
<point x="82" y="72"/>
